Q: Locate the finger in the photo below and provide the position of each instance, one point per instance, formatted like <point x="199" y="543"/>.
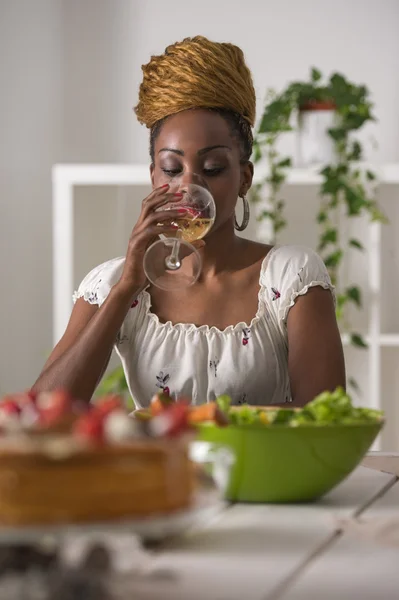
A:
<point x="156" y="193"/>
<point x="152" y="232"/>
<point x="198" y="244"/>
<point x="160" y="200"/>
<point x="166" y="215"/>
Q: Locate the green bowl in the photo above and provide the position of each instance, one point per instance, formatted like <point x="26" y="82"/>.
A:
<point x="289" y="464"/>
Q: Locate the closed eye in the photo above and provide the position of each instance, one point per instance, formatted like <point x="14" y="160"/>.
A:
<point x="171" y="172"/>
<point x="214" y="171"/>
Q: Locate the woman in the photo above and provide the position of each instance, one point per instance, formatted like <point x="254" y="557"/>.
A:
<point x="259" y="324"/>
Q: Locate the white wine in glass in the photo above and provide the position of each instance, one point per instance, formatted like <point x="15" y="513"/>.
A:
<point x="172" y="262"/>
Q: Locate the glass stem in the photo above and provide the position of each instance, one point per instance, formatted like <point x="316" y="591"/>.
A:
<point x="172" y="262"/>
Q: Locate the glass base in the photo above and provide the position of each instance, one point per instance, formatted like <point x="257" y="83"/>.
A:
<point x="156" y="262"/>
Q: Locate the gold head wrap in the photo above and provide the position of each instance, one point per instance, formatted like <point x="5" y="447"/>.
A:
<point x="196" y="73"/>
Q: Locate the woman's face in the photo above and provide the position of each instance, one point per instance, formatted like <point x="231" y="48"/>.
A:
<point x="200" y="142"/>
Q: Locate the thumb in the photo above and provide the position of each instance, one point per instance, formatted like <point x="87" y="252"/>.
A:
<point x="198" y="244"/>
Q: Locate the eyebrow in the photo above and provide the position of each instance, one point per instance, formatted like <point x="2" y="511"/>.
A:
<point x="200" y="152"/>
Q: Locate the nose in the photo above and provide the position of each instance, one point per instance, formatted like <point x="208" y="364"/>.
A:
<point x="188" y="178"/>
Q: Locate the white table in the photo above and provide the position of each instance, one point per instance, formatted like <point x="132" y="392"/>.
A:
<point x="292" y="552"/>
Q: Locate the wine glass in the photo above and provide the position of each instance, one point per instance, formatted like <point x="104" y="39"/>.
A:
<point x="172" y="262"/>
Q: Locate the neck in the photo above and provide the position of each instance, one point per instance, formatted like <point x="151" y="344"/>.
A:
<point x="220" y="249"/>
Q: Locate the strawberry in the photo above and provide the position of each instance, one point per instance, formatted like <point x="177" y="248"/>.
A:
<point x="53" y="406"/>
<point x="10" y="406"/>
<point x="32" y="395"/>
<point x="89" y="427"/>
<point x="10" y="413"/>
<point x="159" y="402"/>
<point x="173" y="421"/>
<point x="104" y="406"/>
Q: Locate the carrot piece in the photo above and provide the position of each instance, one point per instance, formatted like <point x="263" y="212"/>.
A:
<point x="207" y="412"/>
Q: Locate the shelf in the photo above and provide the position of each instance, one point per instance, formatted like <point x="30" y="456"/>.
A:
<point x="386" y="340"/>
<point x="389" y="340"/>
<point x="140" y="174"/>
<point x="386" y="174"/>
<point x="102" y="174"/>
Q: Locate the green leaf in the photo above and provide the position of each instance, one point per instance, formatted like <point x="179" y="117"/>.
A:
<point x="276" y="178"/>
<point x="355" y="152"/>
<point x="330" y="236"/>
<point x="337" y="134"/>
<point x="279" y="224"/>
<point x="315" y="74"/>
<point x="370" y="175"/>
<point x="257" y="153"/>
<point x="354" y="384"/>
<point x="356" y="244"/>
<point x="322" y="217"/>
<point x="356" y="199"/>
<point x="224" y="403"/>
<point x="342" y="299"/>
<point x="265" y="214"/>
<point x="333" y="259"/>
<point x="354" y="294"/>
<point x="376" y="214"/>
<point x="276" y="116"/>
<point x="358" y="341"/>
<point x="285" y="162"/>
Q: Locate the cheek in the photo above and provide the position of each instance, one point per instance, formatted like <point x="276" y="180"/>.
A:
<point x="225" y="193"/>
<point x="158" y="177"/>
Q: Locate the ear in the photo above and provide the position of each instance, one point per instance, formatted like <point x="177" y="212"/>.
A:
<point x="247" y="174"/>
<point x="152" y="168"/>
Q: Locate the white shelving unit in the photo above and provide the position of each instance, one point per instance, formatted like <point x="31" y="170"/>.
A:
<point x="66" y="177"/>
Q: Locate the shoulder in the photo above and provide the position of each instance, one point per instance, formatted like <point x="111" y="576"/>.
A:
<point x="291" y="256"/>
<point x="290" y="271"/>
<point x="287" y="261"/>
<point x="97" y="284"/>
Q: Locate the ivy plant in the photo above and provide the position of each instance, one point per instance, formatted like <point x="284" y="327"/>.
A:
<point x="346" y="185"/>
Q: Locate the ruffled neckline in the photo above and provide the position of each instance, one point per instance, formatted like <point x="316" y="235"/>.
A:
<point x="206" y="329"/>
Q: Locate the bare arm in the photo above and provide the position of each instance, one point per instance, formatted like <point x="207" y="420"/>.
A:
<point x="79" y="360"/>
<point x="315" y="354"/>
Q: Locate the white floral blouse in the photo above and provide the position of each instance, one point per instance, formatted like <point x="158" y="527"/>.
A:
<point x="248" y="361"/>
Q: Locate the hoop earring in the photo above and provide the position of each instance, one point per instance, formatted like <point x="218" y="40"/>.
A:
<point x="245" y="219"/>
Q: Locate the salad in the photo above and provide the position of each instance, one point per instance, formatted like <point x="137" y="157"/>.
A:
<point x="328" y="408"/>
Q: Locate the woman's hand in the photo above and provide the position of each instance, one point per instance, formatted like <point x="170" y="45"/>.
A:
<point x="146" y="230"/>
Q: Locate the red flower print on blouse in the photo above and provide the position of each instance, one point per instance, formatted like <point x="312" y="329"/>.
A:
<point x="162" y="380"/>
<point x="135" y="303"/>
<point x="275" y="294"/>
<point x="246" y="333"/>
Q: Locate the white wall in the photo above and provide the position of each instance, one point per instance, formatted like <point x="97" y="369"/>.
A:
<point x="283" y="38"/>
<point x="30" y="141"/>
<point x="69" y="74"/>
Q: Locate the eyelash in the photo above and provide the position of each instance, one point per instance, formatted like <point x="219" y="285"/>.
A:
<point x="208" y="172"/>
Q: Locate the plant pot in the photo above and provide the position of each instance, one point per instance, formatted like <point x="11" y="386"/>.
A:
<point x="314" y="145"/>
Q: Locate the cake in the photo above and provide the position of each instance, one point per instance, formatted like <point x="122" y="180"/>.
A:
<point x="64" y="462"/>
